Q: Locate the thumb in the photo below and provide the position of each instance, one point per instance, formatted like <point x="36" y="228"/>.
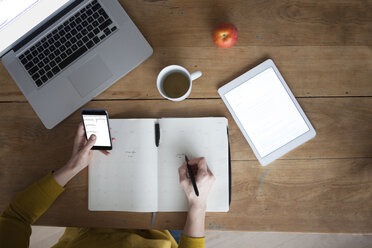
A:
<point x="91" y="141"/>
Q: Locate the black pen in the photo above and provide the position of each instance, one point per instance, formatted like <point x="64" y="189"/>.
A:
<point x="192" y="177"/>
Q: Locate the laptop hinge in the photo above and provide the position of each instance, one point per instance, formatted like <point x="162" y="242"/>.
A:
<point x="50" y="22"/>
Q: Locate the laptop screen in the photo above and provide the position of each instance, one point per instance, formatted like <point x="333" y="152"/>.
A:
<point x="17" y="17"/>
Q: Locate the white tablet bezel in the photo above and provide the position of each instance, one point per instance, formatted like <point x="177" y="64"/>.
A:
<point x="285" y="148"/>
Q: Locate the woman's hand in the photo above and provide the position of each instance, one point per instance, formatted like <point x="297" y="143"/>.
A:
<point x="204" y="181"/>
<point x="80" y="158"/>
<point x="197" y="204"/>
<point x="81" y="152"/>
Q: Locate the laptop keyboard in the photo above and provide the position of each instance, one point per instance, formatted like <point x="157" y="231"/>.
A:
<point x="67" y="42"/>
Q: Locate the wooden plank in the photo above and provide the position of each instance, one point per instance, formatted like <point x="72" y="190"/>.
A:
<point x="28" y="151"/>
<point x="342" y="125"/>
<point x="326" y="195"/>
<point x="318" y="195"/>
<point x="262" y="22"/>
<point x="309" y="71"/>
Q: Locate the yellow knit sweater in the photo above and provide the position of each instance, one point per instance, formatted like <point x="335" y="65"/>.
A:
<point x="29" y="205"/>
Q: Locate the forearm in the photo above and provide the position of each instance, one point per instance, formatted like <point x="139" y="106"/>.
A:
<point x="195" y="223"/>
<point x="65" y="174"/>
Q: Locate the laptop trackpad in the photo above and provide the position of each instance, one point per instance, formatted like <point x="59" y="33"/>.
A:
<point x="90" y="76"/>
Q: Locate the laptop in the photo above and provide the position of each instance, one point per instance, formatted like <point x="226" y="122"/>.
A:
<point x="63" y="53"/>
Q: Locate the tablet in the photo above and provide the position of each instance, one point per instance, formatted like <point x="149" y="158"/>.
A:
<point x="266" y="112"/>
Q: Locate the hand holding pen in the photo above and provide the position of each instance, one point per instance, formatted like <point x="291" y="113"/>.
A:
<point x="192" y="177"/>
<point x="204" y="180"/>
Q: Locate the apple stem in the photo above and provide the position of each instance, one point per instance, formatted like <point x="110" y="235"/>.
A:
<point x="224" y="36"/>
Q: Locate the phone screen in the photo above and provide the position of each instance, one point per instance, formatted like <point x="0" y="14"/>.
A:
<point x="98" y="125"/>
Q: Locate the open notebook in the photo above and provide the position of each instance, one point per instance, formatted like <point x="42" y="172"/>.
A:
<point x="141" y="175"/>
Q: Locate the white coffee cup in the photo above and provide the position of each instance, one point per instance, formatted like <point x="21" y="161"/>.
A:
<point x="172" y="69"/>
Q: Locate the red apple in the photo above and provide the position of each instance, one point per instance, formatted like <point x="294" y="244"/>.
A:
<point x="225" y="35"/>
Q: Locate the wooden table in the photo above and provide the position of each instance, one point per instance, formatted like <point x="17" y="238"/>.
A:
<point x="322" y="48"/>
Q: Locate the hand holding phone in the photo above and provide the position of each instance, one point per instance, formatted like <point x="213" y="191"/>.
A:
<point x="80" y="158"/>
<point x="96" y="122"/>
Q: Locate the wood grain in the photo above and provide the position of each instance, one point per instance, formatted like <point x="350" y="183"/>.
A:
<point x="309" y="71"/>
<point x="260" y="22"/>
<point x="323" y="50"/>
<point x="317" y="195"/>
<point x="342" y="125"/>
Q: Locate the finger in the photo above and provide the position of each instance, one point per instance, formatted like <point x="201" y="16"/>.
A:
<point x="105" y="152"/>
<point x="80" y="130"/>
<point x="202" y="165"/>
<point x="80" y="133"/>
<point x="79" y="139"/>
<point x="210" y="172"/>
<point x="113" y="139"/>
<point x="182" y="172"/>
<point x="90" y="143"/>
<point x="195" y="161"/>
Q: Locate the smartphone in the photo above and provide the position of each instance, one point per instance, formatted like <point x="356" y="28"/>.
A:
<point x="96" y="122"/>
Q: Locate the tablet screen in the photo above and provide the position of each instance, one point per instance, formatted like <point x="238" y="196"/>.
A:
<point x="266" y="112"/>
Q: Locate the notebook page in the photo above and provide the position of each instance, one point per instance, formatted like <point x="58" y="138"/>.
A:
<point x="266" y="112"/>
<point x="127" y="179"/>
<point x="195" y="137"/>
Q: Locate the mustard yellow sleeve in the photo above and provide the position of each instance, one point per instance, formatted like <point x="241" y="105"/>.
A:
<point x="188" y="242"/>
<point x="25" y="209"/>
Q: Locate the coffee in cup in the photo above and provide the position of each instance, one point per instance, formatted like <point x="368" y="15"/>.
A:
<point x="175" y="82"/>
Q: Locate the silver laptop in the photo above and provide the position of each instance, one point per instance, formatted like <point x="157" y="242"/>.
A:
<point x="63" y="53"/>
